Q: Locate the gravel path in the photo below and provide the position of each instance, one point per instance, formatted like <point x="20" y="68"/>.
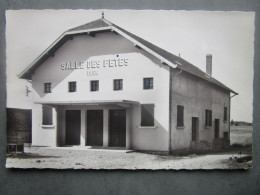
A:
<point x="82" y="158"/>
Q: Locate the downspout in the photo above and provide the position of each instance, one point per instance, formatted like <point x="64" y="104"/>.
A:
<point x="230" y="113"/>
<point x="170" y="106"/>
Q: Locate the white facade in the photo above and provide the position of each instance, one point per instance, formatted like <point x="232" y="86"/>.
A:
<point x="137" y="65"/>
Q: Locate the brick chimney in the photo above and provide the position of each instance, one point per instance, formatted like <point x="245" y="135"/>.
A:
<point x="209" y="64"/>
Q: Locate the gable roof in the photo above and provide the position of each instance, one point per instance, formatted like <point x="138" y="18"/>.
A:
<point x="102" y="25"/>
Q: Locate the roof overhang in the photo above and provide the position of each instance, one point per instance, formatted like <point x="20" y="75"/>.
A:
<point x="122" y="103"/>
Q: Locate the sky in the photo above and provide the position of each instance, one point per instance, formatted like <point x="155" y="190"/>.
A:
<point x="228" y="36"/>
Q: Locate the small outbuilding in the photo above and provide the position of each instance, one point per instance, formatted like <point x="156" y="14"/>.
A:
<point x="100" y="85"/>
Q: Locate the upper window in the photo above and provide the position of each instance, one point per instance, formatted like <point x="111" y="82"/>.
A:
<point x="147" y="115"/>
<point x="46" y="115"/>
<point x="225" y="114"/>
<point x="72" y="86"/>
<point x="47" y="87"/>
<point x="208" y="118"/>
<point x="94" y="85"/>
<point x="118" y="84"/>
<point x="180" y="116"/>
<point x="148" y="83"/>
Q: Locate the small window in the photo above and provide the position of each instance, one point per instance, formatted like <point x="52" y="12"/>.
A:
<point x="225" y="114"/>
<point x="118" y="84"/>
<point x="47" y="87"/>
<point x="180" y="116"/>
<point x="72" y="86"/>
<point x="46" y="115"/>
<point x="208" y="119"/>
<point x="147" y="115"/>
<point x="94" y="85"/>
<point x="148" y="83"/>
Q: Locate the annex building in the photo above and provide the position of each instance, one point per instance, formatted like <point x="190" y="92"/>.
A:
<point x="100" y="85"/>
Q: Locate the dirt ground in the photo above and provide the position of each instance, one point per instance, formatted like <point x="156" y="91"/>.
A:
<point x="88" y="158"/>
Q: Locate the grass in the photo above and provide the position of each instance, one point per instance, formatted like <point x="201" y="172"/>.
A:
<point x="241" y="135"/>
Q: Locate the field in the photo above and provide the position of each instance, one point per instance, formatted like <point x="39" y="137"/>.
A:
<point x="241" y="135"/>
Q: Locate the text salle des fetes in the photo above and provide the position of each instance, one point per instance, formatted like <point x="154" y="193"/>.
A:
<point x="95" y="64"/>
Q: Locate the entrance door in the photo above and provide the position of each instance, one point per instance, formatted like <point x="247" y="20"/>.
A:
<point x="117" y="133"/>
<point x="95" y="127"/>
<point x="72" y="127"/>
<point x="216" y="128"/>
<point x="195" y="127"/>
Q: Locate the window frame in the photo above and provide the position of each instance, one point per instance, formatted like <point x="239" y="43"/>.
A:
<point x="208" y="118"/>
<point x="47" y="87"/>
<point x="72" y="86"/>
<point x="118" y="86"/>
<point x="94" y="85"/>
<point x="180" y="116"/>
<point x="147" y="117"/>
<point x="148" y="83"/>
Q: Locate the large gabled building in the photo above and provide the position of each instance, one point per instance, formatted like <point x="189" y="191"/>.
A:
<point x="100" y="85"/>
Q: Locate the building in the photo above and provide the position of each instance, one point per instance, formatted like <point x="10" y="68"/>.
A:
<point x="100" y="85"/>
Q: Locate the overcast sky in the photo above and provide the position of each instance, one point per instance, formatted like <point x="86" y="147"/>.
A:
<point x="228" y="36"/>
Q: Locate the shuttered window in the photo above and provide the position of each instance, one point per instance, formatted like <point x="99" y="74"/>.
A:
<point x="208" y="118"/>
<point x="47" y="115"/>
<point x="180" y="116"/>
<point x="147" y="115"/>
<point x="225" y="114"/>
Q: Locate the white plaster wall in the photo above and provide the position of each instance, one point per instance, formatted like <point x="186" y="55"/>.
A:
<point x="140" y="64"/>
<point x="43" y="136"/>
<point x="196" y="96"/>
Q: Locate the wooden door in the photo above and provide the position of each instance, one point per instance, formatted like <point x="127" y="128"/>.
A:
<point x="195" y="126"/>
<point x="117" y="130"/>
<point x="95" y="127"/>
<point x="73" y="127"/>
<point x="216" y="128"/>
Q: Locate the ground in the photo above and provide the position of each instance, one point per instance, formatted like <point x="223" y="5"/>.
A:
<point x="90" y="158"/>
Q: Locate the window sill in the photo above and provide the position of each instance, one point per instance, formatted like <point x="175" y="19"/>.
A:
<point x="207" y="127"/>
<point x="147" y="127"/>
<point x="48" y="126"/>
<point x="180" y="127"/>
<point x="225" y="121"/>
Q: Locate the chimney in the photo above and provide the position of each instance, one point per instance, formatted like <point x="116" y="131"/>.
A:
<point x="209" y="64"/>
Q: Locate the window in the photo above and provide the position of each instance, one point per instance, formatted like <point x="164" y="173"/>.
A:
<point x="94" y="85"/>
<point x="225" y="114"/>
<point x="148" y="83"/>
<point x="208" y="119"/>
<point x="180" y="116"/>
<point x="72" y="86"/>
<point x="46" y="115"/>
<point x="118" y="84"/>
<point x="47" y="87"/>
<point x="147" y="115"/>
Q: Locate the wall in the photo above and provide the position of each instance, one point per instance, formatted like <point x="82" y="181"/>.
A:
<point x="102" y="47"/>
<point x="196" y="96"/>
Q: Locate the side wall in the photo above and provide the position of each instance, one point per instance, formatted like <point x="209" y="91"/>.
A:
<point x="196" y="95"/>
